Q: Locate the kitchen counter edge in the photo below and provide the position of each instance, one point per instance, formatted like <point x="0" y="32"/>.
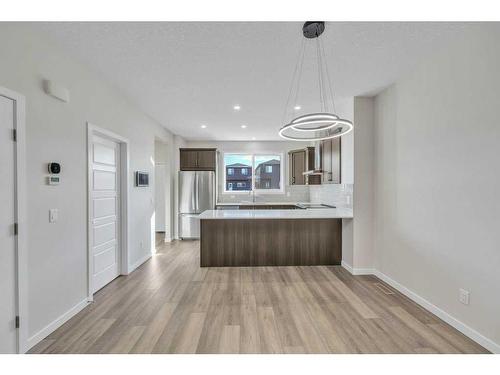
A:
<point x="322" y="213"/>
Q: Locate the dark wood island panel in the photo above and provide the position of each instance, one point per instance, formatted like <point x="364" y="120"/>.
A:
<point x="270" y="242"/>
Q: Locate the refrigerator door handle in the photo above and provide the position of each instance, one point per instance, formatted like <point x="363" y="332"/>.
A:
<point x="196" y="195"/>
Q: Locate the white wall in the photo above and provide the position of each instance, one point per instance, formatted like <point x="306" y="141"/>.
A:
<point x="363" y="183"/>
<point x="56" y="131"/>
<point x="178" y="143"/>
<point x="162" y="187"/>
<point x="437" y="182"/>
<point x="345" y="109"/>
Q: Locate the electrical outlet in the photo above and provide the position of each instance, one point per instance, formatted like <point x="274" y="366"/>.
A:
<point x="463" y="296"/>
<point x="53" y="215"/>
<point x="142" y="245"/>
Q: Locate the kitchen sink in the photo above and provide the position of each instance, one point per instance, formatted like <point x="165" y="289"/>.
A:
<point x="313" y="206"/>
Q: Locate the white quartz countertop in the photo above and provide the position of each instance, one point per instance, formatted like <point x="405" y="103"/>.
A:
<point x="259" y="203"/>
<point x="320" y="213"/>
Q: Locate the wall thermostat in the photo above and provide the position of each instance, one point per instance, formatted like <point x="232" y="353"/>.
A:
<point x="54" y="168"/>
<point x="53" y="180"/>
<point x="141" y="178"/>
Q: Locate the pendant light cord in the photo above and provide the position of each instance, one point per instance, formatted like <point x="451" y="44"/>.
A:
<point x="325" y="88"/>
<point x="320" y="83"/>
<point x="298" y="69"/>
<point x="299" y="79"/>
<point x="328" y="76"/>
<point x="323" y="124"/>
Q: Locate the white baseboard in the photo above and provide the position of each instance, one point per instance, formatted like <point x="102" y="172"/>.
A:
<point x="465" y="329"/>
<point x="138" y="263"/>
<point x="51" y="327"/>
<point x="357" y="271"/>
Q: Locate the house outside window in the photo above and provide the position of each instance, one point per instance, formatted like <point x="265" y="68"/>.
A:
<point x="268" y="172"/>
<point x="238" y="172"/>
<point x="247" y="172"/>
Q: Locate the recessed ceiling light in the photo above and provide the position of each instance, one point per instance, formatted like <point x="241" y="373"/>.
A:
<point x="253" y="138"/>
<point x="243" y="126"/>
<point x="236" y="107"/>
<point x="203" y="126"/>
<point x="297" y="107"/>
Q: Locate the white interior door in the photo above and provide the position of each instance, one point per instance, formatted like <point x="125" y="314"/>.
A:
<point x="8" y="266"/>
<point x="104" y="211"/>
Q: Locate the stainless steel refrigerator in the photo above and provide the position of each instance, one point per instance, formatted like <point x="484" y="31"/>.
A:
<point x="196" y="194"/>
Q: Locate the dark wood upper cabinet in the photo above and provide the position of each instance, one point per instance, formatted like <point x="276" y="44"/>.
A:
<point x="300" y="161"/>
<point x="188" y="159"/>
<point x="206" y="160"/>
<point x="198" y="159"/>
<point x="330" y="161"/>
<point x="297" y="167"/>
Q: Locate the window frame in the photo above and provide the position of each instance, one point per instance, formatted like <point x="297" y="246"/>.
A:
<point x="281" y="190"/>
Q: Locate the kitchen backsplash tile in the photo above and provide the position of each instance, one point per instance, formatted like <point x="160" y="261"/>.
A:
<point x="292" y="194"/>
<point x="339" y="195"/>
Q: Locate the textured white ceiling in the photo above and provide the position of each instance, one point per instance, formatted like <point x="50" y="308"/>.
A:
<point x="191" y="73"/>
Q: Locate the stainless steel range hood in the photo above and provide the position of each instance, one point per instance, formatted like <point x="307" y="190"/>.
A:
<point x="317" y="161"/>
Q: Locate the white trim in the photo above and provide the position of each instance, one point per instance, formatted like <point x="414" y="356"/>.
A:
<point x="443" y="315"/>
<point x="21" y="218"/>
<point x="51" y="327"/>
<point x="455" y="323"/>
<point x="124" y="200"/>
<point x="141" y="261"/>
<point x="357" y="271"/>
<point x="347" y="266"/>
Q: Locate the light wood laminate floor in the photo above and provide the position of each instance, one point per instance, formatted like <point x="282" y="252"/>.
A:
<point x="171" y="305"/>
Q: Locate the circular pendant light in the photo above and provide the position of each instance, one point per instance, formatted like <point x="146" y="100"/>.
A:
<point x="314" y="126"/>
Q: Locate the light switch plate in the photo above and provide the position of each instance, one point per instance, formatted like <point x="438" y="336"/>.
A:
<point x="53" y="180"/>
<point x="53" y="215"/>
<point x="463" y="296"/>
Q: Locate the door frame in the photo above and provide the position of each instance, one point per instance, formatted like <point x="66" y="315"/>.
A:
<point x="20" y="216"/>
<point x="124" y="200"/>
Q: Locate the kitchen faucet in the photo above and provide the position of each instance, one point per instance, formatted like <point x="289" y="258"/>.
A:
<point x="252" y="192"/>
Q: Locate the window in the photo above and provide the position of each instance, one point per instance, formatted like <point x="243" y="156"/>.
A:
<point x="247" y="172"/>
<point x="267" y="172"/>
<point x="238" y="175"/>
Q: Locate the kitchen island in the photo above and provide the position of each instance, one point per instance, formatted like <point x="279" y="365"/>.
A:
<point x="299" y="237"/>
